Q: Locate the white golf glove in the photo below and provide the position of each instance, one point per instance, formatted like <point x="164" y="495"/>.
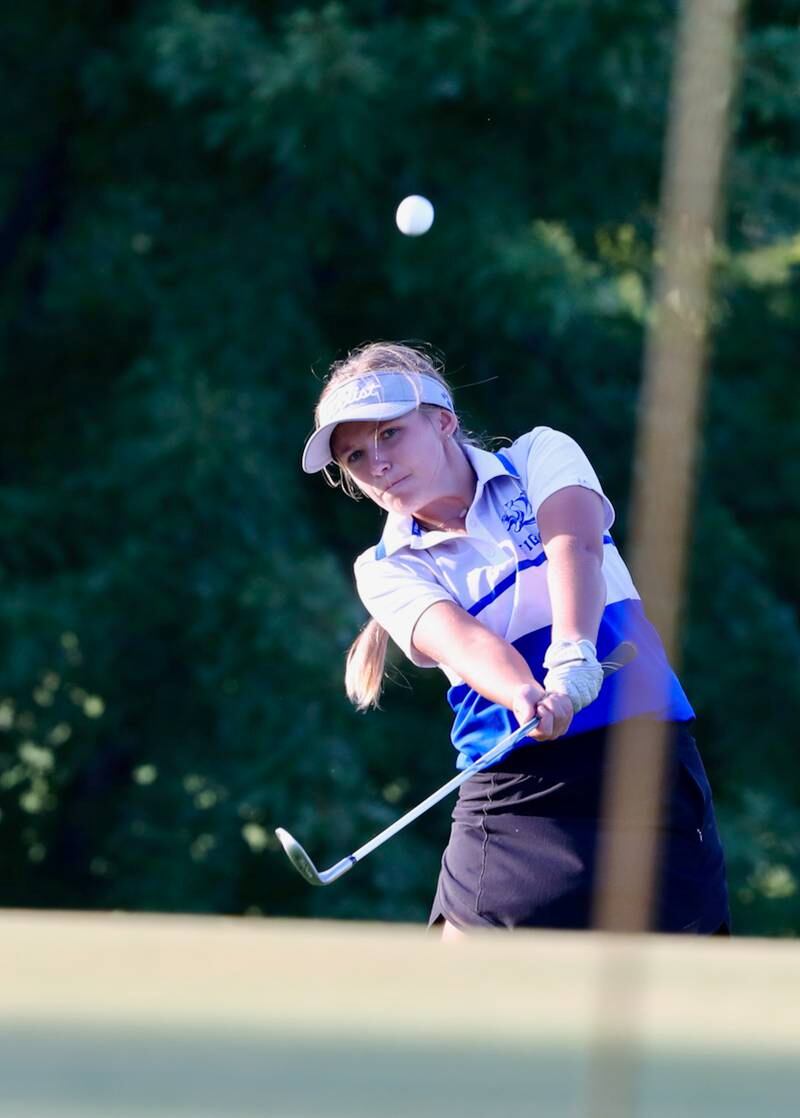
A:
<point x="573" y="670"/>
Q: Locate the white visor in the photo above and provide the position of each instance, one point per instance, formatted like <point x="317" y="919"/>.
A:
<point x="386" y="394"/>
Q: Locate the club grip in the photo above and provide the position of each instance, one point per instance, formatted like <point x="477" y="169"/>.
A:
<point x="624" y="652"/>
<point x="618" y="658"/>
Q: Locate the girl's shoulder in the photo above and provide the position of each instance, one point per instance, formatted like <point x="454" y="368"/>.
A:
<point x="399" y="557"/>
<point x="540" y="441"/>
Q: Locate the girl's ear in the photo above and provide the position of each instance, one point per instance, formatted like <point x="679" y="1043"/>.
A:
<point x="449" y="423"/>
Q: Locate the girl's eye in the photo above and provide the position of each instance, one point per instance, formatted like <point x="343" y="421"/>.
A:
<point x="353" y="457"/>
<point x="388" y="432"/>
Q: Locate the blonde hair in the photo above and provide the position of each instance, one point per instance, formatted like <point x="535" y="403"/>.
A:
<point x="366" y="658"/>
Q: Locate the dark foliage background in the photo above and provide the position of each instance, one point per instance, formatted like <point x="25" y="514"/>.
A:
<point x="197" y="217"/>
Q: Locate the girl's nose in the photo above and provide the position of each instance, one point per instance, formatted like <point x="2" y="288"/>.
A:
<point x="378" y="459"/>
<point x="378" y="463"/>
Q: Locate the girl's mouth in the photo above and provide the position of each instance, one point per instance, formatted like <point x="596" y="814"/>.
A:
<point x="399" y="481"/>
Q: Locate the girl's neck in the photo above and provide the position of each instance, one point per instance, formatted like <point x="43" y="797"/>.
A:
<point x="448" y="512"/>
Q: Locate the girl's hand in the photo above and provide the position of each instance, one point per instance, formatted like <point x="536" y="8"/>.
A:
<point x="555" y="711"/>
<point x="573" y="670"/>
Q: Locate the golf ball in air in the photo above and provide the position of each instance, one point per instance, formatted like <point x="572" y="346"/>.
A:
<point x="414" y="215"/>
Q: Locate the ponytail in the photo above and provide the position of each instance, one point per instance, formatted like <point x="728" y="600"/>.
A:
<point x="363" y="676"/>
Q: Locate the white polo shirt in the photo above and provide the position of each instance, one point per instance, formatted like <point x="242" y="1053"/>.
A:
<point x="497" y="572"/>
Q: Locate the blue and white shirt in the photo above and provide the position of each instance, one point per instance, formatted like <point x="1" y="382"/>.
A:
<point x="497" y="572"/>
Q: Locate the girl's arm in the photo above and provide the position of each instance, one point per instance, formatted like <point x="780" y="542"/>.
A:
<point x="571" y="526"/>
<point x="491" y="666"/>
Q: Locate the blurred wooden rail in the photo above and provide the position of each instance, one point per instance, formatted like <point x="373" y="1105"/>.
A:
<point x="129" y="1015"/>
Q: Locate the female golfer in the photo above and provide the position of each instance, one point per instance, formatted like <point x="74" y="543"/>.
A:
<point x="498" y="569"/>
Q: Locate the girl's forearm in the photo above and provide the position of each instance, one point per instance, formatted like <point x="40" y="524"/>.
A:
<point x="577" y="590"/>
<point x="485" y="661"/>
<point x="494" y="668"/>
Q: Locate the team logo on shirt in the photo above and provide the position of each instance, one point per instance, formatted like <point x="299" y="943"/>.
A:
<point x="519" y="514"/>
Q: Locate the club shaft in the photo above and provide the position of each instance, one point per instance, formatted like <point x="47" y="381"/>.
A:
<point x="621" y="655"/>
<point x="482" y="763"/>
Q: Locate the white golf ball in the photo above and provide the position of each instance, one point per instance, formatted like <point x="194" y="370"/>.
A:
<point x="414" y="215"/>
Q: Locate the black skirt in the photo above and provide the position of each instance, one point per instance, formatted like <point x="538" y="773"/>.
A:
<point x="526" y="833"/>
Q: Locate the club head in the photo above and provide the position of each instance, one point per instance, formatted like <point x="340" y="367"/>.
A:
<point x="298" y="857"/>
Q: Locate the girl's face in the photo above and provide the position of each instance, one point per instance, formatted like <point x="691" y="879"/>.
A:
<point x="401" y="464"/>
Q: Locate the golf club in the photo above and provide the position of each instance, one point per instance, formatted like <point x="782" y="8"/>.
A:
<point x="622" y="655"/>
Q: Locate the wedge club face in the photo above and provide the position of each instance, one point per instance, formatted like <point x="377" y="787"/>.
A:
<point x="303" y="864"/>
<point x="298" y="857"/>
